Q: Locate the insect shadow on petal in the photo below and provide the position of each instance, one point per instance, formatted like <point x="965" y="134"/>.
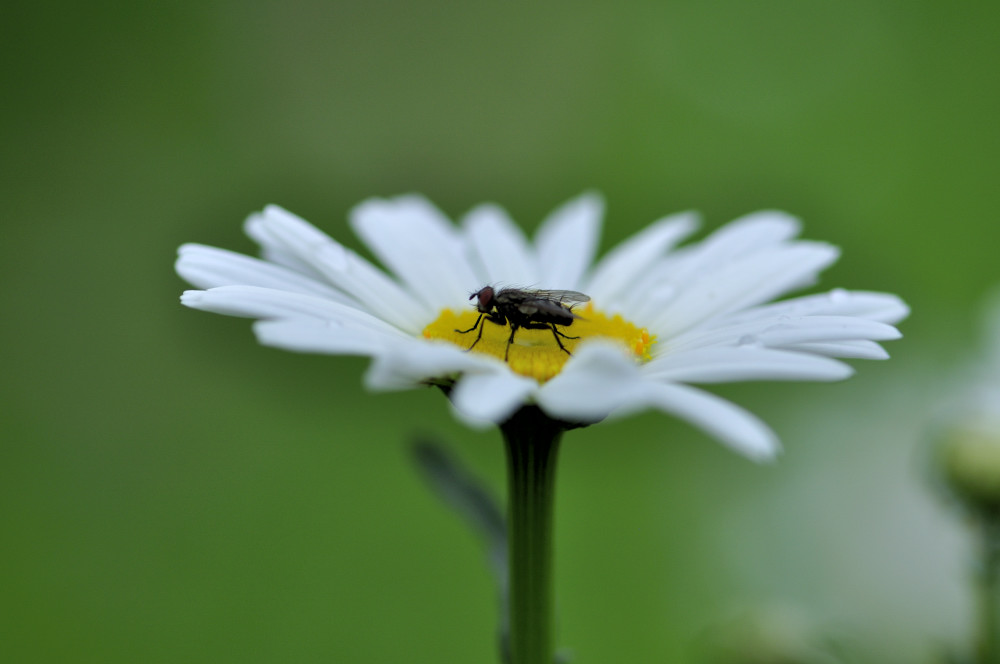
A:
<point x="530" y="309"/>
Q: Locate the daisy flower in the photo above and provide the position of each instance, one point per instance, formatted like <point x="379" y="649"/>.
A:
<point x="661" y="317"/>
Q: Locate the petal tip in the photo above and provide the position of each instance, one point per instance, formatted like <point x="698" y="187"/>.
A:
<point x="189" y="298"/>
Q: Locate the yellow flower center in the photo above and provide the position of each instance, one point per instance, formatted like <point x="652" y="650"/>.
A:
<point x="535" y="353"/>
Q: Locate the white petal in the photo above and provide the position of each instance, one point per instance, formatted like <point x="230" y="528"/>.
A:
<point x="750" y="233"/>
<point x="813" y="329"/>
<point x="655" y="291"/>
<point x="859" y="349"/>
<point x="733" y="426"/>
<point x="409" y="364"/>
<point x="741" y="237"/>
<point x="882" y="307"/>
<point x="418" y="243"/>
<point x="600" y="380"/>
<point x="268" y="303"/>
<point x="208" y="267"/>
<point x="500" y="247"/>
<point x="308" y="336"/>
<point x="745" y="282"/>
<point x="491" y="396"/>
<point x="616" y="275"/>
<point x="271" y="247"/>
<point x="567" y="241"/>
<point x="723" y="364"/>
<point x="783" y="331"/>
<point x="345" y="269"/>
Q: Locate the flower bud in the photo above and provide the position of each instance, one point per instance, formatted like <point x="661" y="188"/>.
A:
<point x="969" y="460"/>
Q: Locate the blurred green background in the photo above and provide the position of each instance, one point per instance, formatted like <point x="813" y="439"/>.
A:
<point x="172" y="492"/>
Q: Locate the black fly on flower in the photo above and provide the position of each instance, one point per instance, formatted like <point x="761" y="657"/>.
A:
<point x="530" y="309"/>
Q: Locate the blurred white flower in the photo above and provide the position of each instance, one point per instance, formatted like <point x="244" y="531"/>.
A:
<point x="770" y="634"/>
<point x="977" y="401"/>
<point x="968" y="426"/>
<point x="660" y="317"/>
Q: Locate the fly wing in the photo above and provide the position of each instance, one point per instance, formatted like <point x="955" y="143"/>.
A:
<point x="562" y="296"/>
<point x="557" y="303"/>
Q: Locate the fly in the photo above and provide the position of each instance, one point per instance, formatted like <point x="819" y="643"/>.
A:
<point x="530" y="309"/>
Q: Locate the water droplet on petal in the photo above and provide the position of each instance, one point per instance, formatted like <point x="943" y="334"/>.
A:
<point x="838" y="295"/>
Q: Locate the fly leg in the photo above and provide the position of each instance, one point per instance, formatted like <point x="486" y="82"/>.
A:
<point x="478" y="320"/>
<point x="493" y="317"/>
<point x="513" y="331"/>
<point x="556" y="334"/>
<point x="478" y="336"/>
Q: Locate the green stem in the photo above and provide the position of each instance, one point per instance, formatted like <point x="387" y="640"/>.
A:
<point x="988" y="645"/>
<point x="532" y="442"/>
